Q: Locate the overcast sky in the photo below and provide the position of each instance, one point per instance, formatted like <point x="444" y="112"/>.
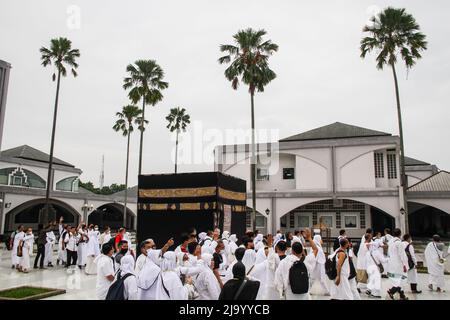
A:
<point x="320" y="77"/>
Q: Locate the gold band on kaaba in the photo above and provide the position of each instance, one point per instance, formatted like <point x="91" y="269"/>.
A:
<point x="182" y="206"/>
<point x="232" y="195"/>
<point x="177" y="193"/>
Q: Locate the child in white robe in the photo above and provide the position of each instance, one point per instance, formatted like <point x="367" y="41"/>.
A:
<point x="51" y="239"/>
<point x="26" y="243"/>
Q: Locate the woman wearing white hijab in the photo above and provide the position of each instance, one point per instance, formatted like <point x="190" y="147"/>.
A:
<point x="206" y="282"/>
<point x="148" y="276"/>
<point x="258" y="241"/>
<point x="130" y="283"/>
<point x="169" y="286"/>
<point x="318" y="273"/>
<point x="259" y="271"/>
<point x="92" y="251"/>
<point x="232" y="246"/>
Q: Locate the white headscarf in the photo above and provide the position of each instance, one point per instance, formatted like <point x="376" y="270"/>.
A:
<point x="180" y="256"/>
<point x="233" y="238"/>
<point x="260" y="256"/>
<point x="226" y="235"/>
<point x="317" y="240"/>
<point x="126" y="265"/>
<point x="321" y="259"/>
<point x="169" y="261"/>
<point x="249" y="259"/>
<point x="206" y="258"/>
<point x="150" y="271"/>
<point x="259" y="237"/>
<point x="153" y="256"/>
<point x="202" y="236"/>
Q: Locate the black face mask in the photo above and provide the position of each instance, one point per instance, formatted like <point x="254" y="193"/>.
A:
<point x="123" y="251"/>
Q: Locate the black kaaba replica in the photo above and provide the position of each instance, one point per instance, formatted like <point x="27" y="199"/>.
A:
<point x="170" y="204"/>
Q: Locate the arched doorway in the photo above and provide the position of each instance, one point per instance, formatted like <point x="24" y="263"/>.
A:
<point x="353" y="216"/>
<point x="29" y="215"/>
<point x="426" y="221"/>
<point x="111" y="215"/>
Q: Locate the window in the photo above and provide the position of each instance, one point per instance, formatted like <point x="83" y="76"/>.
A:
<point x="379" y="165"/>
<point x="303" y="221"/>
<point x="392" y="166"/>
<point x="351" y="221"/>
<point x="68" y="184"/>
<point x="326" y="220"/>
<point x="260" y="221"/>
<point x="283" y="221"/>
<point x="288" y="173"/>
<point x="262" y="174"/>
<point x="17" y="181"/>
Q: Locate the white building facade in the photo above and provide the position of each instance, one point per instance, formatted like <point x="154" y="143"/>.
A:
<point x="23" y="182"/>
<point x="340" y="175"/>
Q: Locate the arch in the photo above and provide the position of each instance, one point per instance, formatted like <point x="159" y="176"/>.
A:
<point x="352" y="215"/>
<point x="357" y="157"/>
<point x="68" y="184"/>
<point x="29" y="213"/>
<point x="426" y="220"/>
<point x="19" y="176"/>
<point x="111" y="215"/>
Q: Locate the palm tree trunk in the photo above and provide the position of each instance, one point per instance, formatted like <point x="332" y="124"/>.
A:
<point x="176" y="154"/>
<point x="253" y="163"/>
<point x="126" y="181"/>
<point x="46" y="217"/>
<point x="142" y="135"/>
<point x="403" y="181"/>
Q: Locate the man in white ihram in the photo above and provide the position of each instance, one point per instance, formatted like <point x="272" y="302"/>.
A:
<point x="282" y="282"/>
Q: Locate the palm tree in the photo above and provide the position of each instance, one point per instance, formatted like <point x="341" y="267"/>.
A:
<point x="394" y="32"/>
<point x="61" y="55"/>
<point x="129" y="114"/>
<point x="249" y="63"/>
<point x="146" y="83"/>
<point x="178" y="120"/>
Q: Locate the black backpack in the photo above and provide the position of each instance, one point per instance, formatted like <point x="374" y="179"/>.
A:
<point x="298" y="277"/>
<point x="330" y="266"/>
<point x="117" y="288"/>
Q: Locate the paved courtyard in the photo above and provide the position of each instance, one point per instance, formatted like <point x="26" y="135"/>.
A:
<point x="80" y="286"/>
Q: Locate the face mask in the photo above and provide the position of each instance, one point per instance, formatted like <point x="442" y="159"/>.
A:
<point x="149" y="251"/>
<point x="96" y="229"/>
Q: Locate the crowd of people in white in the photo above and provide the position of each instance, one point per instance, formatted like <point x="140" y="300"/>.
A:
<point x="219" y="266"/>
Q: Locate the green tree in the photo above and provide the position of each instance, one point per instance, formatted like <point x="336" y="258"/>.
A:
<point x="61" y="55"/>
<point x="178" y="120"/>
<point x="249" y="63"/>
<point x="130" y="114"/>
<point x="395" y="33"/>
<point x="145" y="82"/>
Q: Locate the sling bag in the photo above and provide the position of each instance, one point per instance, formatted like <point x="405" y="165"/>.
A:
<point x="236" y="296"/>
<point x="379" y="265"/>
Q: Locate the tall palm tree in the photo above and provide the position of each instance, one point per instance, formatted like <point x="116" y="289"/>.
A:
<point x="178" y="120"/>
<point x="249" y="58"/>
<point x="130" y="114"/>
<point x="394" y="32"/>
<point x="61" y="55"/>
<point x="146" y="83"/>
